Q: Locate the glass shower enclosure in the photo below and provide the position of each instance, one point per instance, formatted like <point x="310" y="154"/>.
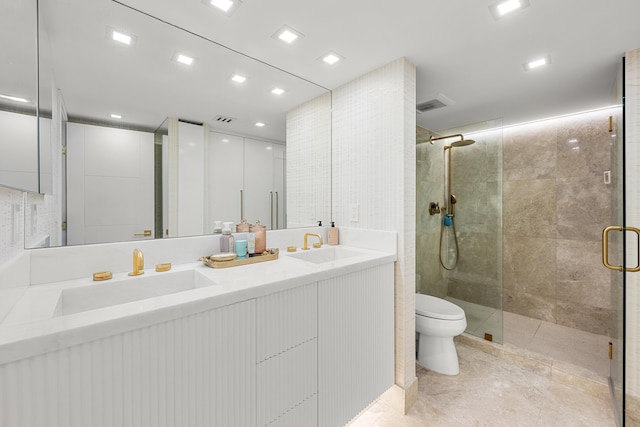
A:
<point x="459" y="258"/>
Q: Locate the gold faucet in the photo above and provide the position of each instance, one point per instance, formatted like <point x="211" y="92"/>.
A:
<point x="138" y="263"/>
<point x="315" y="245"/>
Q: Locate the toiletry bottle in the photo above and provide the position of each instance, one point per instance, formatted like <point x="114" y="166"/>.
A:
<point x="251" y="244"/>
<point x="226" y="240"/>
<point x="217" y="227"/>
<point x="333" y="234"/>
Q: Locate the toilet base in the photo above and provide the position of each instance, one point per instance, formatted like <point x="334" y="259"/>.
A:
<point x="438" y="354"/>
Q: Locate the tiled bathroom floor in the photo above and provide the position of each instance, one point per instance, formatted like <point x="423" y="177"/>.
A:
<point x="493" y="391"/>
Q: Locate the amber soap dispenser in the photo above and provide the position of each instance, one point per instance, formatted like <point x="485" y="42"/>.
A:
<point x="333" y="234"/>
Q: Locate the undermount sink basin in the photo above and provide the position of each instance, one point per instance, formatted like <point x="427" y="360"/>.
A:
<point x="109" y="293"/>
<point x="326" y="254"/>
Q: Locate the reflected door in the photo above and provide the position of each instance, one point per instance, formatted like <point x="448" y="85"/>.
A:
<point x="109" y="184"/>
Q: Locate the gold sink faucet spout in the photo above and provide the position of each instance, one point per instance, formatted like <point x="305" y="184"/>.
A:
<point x="138" y="263"/>
<point x="315" y="245"/>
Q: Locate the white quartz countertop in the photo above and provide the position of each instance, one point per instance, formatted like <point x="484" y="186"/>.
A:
<point x="36" y="323"/>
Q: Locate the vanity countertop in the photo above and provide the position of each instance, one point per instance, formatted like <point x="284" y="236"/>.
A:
<point x="35" y="325"/>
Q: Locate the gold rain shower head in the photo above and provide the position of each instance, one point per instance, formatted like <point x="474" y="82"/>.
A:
<point x="460" y="143"/>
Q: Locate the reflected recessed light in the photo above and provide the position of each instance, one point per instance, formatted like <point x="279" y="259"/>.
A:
<point x="277" y="91"/>
<point x="331" y="57"/>
<point x="502" y="8"/>
<point x="573" y="141"/>
<point x="115" y="116"/>
<point x="184" y="59"/>
<point x="536" y="63"/>
<point x="238" y="78"/>
<point x="225" y="6"/>
<point x="14" y="98"/>
<point x="287" y="34"/>
<point x="269" y="147"/>
<point x="260" y="124"/>
<point x="121" y="37"/>
<point x="225" y="140"/>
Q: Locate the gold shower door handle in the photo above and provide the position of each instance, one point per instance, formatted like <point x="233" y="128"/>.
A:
<point x="605" y="248"/>
<point x="145" y="233"/>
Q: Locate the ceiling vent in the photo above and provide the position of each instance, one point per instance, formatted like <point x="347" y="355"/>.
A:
<point x="438" y="101"/>
<point x="224" y="119"/>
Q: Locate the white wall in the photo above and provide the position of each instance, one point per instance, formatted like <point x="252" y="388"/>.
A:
<point x="18" y="148"/>
<point x="308" y="179"/>
<point x="373" y="169"/>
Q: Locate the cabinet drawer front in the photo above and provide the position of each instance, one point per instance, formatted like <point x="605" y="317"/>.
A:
<point x="285" y="382"/>
<point x="286" y="319"/>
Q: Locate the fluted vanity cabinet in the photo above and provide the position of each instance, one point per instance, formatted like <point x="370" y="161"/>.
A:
<point x="195" y="370"/>
<point x="287" y="348"/>
<point x="355" y="342"/>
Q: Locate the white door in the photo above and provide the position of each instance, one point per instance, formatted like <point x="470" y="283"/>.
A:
<point x="259" y="194"/>
<point x="109" y="184"/>
<point x="226" y="159"/>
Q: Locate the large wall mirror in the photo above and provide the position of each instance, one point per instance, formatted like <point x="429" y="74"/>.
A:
<point x="19" y="95"/>
<point x="132" y="93"/>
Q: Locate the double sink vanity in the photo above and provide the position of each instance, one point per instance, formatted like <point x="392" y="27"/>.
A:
<point x="306" y="339"/>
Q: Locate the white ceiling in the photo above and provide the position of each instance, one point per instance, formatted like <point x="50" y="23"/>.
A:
<point x="459" y="50"/>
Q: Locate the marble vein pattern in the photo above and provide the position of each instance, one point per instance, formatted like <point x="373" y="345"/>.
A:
<point x="491" y="391"/>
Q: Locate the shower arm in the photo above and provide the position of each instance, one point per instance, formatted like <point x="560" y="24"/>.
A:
<point x="431" y="138"/>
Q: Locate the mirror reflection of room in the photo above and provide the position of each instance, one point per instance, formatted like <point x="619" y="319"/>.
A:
<point x="160" y="136"/>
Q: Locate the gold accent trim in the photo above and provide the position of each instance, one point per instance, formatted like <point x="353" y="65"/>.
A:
<point x="268" y="255"/>
<point x="488" y="337"/>
<point x="138" y="263"/>
<point x="317" y="245"/>
<point x="610" y="123"/>
<point x="306" y="236"/>
<point x="163" y="267"/>
<point x="291" y="249"/>
<point x="610" y="351"/>
<point x="145" y="233"/>
<point x="102" y="275"/>
<point x="605" y="248"/>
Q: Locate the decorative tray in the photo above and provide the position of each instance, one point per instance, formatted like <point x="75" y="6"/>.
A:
<point x="214" y="261"/>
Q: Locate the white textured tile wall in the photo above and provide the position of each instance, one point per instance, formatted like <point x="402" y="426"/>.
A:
<point x="373" y="169"/>
<point x="308" y="180"/>
<point x="632" y="106"/>
<point x="11" y="230"/>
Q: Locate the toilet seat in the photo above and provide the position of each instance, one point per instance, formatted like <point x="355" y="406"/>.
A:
<point x="437" y="308"/>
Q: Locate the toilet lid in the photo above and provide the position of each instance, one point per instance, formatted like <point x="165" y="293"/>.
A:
<point x="437" y="308"/>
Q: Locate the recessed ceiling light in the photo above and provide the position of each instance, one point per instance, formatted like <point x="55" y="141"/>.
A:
<point x="331" y="57"/>
<point x="115" y="116"/>
<point x="277" y="91"/>
<point x="504" y="7"/>
<point x="287" y="34"/>
<point x="238" y="78"/>
<point x="260" y="124"/>
<point x="184" y="59"/>
<point x="537" y="63"/>
<point x="225" y="6"/>
<point x="121" y="37"/>
<point x="15" y="98"/>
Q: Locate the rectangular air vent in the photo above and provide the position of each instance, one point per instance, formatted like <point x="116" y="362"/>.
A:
<point x="224" y="119"/>
<point x="430" y="105"/>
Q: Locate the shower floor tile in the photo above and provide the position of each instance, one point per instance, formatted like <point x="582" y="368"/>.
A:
<point x="491" y="391"/>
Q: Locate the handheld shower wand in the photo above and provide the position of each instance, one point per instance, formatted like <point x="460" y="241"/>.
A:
<point x="452" y="205"/>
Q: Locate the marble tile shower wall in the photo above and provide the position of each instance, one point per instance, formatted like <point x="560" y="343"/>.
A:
<point x="555" y="206"/>
<point x="476" y="182"/>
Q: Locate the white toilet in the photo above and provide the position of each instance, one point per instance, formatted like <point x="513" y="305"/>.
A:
<point x="437" y="322"/>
